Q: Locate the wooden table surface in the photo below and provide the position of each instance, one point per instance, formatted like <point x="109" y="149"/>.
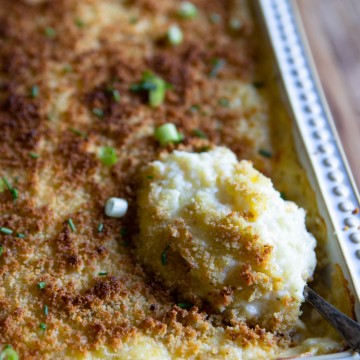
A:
<point x="333" y="31"/>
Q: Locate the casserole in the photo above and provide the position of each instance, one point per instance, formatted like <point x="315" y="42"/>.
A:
<point x="70" y="272"/>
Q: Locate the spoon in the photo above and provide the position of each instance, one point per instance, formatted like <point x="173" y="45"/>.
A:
<point x="347" y="328"/>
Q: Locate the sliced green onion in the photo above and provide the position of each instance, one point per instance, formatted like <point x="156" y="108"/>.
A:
<point x="265" y="153"/>
<point x="150" y="177"/>
<point x="21" y="236"/>
<point x="218" y="64"/>
<point x="107" y="155"/>
<point x="6" y="231"/>
<point x="35" y="91"/>
<point x="100" y="228"/>
<point x="103" y="273"/>
<point x="154" y="85"/>
<point x="235" y="24"/>
<point x="77" y="132"/>
<point x="34" y="155"/>
<point x="185" y="305"/>
<point x="167" y="133"/>
<point x="14" y="192"/>
<point x="187" y="10"/>
<point x="215" y="18"/>
<point x="50" y="32"/>
<point x="72" y="225"/>
<point x="116" y="95"/>
<point x="283" y="196"/>
<point x="199" y="134"/>
<point x="1" y="249"/>
<point x="98" y="112"/>
<point x="9" y="353"/>
<point x="224" y="102"/>
<point x="46" y="310"/>
<point x="194" y="108"/>
<point x="164" y="259"/>
<point x="174" y="35"/>
<point x="2" y="185"/>
<point x="42" y="326"/>
<point x="41" y="285"/>
<point x="79" y="23"/>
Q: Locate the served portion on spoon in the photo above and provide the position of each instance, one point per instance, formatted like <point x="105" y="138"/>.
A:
<point x="215" y="231"/>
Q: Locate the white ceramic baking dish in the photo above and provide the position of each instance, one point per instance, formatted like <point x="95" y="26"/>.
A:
<point x="317" y="142"/>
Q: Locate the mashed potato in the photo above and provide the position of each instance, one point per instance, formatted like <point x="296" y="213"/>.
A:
<point x="215" y="230"/>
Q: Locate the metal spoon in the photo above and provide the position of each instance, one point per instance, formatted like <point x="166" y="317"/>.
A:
<point x="347" y="328"/>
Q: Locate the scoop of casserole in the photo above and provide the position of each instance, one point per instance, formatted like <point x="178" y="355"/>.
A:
<point x="217" y="232"/>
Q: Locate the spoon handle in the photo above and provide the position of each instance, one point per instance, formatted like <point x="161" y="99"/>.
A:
<point x="348" y="328"/>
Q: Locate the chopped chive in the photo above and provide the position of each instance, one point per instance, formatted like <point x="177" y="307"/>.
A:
<point x="98" y="112"/>
<point x="167" y="133"/>
<point x="150" y="177"/>
<point x="67" y="68"/>
<point x="14" y="193"/>
<point x="259" y="84"/>
<point x="42" y="326"/>
<point x="215" y="18"/>
<point x="218" y="64"/>
<point x="35" y="91"/>
<point x="6" y="231"/>
<point x="77" y="132"/>
<point x="154" y="85"/>
<point x="21" y="236"/>
<point x="100" y="228"/>
<point x="133" y="20"/>
<point x="194" y="108"/>
<point x="164" y="259"/>
<point x="1" y="249"/>
<point x="123" y="232"/>
<point x="174" y="35"/>
<point x="41" y="285"/>
<point x="199" y="134"/>
<point x="224" y="102"/>
<point x="107" y="156"/>
<point x="116" y="95"/>
<point x="2" y="185"/>
<point x="9" y="353"/>
<point x="204" y="149"/>
<point x="103" y="273"/>
<point x="72" y="225"/>
<point x="185" y="305"/>
<point x="283" y="196"/>
<point x="79" y="23"/>
<point x="265" y="153"/>
<point x="46" y="310"/>
<point x="50" y="32"/>
<point x="6" y="182"/>
<point x="187" y="10"/>
<point x="34" y="155"/>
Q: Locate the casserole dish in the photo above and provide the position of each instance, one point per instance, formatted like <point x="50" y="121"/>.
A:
<point x="86" y="88"/>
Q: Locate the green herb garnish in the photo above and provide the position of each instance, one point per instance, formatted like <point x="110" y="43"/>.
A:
<point x="100" y="228"/>
<point x="283" y="196"/>
<point x="72" y="225"/>
<point x="259" y="84"/>
<point x="265" y="153"/>
<point x="9" y="353"/>
<point x="77" y="132"/>
<point x="154" y="85"/>
<point x="34" y="155"/>
<point x="35" y="91"/>
<point x="215" y="18"/>
<point x="150" y="177"/>
<point x="199" y="134"/>
<point x="194" y="108"/>
<point x="116" y="95"/>
<point x="187" y="10"/>
<point x="50" y="32"/>
<point x="185" y="305"/>
<point x="167" y="134"/>
<point x="103" y="273"/>
<point x="41" y="285"/>
<point x="98" y="112"/>
<point x="6" y="231"/>
<point x="218" y="64"/>
<point x="108" y="156"/>
<point x="67" y="68"/>
<point x="1" y="249"/>
<point x="13" y="191"/>
<point x="46" y="310"/>
<point x="224" y="102"/>
<point x="79" y="23"/>
<point x="164" y="259"/>
<point x="21" y="236"/>
<point x="42" y="326"/>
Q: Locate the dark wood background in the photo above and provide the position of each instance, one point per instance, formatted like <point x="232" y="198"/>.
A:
<point x="333" y="31"/>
